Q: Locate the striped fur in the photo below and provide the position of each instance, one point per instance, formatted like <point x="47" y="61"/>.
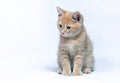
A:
<point x="75" y="53"/>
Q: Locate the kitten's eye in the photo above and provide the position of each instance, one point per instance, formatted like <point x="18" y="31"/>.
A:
<point x="60" y="25"/>
<point x="68" y="27"/>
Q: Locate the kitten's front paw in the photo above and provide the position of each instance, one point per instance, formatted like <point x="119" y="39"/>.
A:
<point x="59" y="71"/>
<point x="67" y="73"/>
<point x="77" y="73"/>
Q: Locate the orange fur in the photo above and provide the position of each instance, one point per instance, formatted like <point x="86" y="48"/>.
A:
<point x="75" y="48"/>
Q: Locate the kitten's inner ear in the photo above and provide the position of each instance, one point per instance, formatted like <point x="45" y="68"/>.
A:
<point x="76" y="16"/>
<point x="60" y="12"/>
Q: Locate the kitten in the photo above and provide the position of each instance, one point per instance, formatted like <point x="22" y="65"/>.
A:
<point x="75" y="48"/>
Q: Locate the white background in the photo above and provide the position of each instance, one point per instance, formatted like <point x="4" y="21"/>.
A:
<point x="29" y="40"/>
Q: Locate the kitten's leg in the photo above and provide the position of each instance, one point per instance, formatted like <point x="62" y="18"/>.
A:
<point x="89" y="64"/>
<point x="59" y="70"/>
<point x="65" y="62"/>
<point x="78" y="60"/>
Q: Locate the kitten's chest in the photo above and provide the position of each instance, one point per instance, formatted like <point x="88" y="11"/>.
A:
<point x="72" y="47"/>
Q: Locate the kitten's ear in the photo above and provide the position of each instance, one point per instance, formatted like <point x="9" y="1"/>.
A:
<point x="76" y="16"/>
<point x="60" y="12"/>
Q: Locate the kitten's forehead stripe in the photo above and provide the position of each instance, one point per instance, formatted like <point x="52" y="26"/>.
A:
<point x="66" y="18"/>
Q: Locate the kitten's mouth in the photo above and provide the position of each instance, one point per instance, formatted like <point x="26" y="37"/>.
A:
<point x="67" y="35"/>
<point x="64" y="35"/>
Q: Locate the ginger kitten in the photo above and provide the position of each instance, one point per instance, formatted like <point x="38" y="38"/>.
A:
<point x="75" y="53"/>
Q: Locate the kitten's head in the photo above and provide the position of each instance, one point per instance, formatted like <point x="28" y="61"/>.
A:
<point x="69" y="23"/>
